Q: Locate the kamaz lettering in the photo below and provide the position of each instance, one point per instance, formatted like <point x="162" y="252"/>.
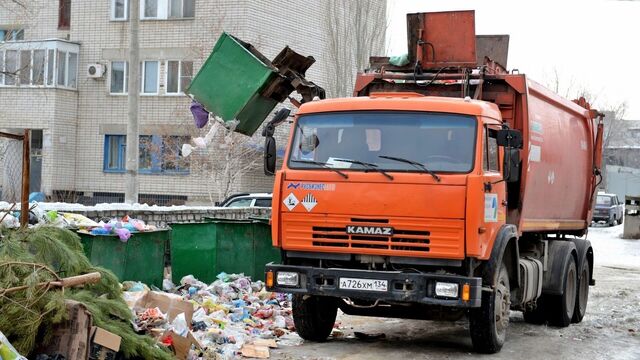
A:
<point x="370" y="230"/>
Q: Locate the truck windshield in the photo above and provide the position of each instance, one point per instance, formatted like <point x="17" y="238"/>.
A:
<point x="603" y="200"/>
<point x="440" y="142"/>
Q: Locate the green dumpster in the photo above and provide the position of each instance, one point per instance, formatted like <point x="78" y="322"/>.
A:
<point x="141" y="258"/>
<point x="193" y="251"/>
<point x="233" y="246"/>
<point x="230" y="82"/>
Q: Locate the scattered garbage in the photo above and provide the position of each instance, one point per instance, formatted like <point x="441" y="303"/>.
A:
<point x="233" y="316"/>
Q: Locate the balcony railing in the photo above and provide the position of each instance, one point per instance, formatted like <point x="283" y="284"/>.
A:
<point x="49" y="63"/>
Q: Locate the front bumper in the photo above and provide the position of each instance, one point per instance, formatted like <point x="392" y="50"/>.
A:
<point x="402" y="287"/>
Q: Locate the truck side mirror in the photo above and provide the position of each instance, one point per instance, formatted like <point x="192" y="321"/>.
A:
<point x="270" y="141"/>
<point x="511" y="165"/>
<point x="509" y="138"/>
<point x="269" y="155"/>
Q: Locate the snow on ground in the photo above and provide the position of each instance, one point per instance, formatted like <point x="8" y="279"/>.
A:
<point x="611" y="250"/>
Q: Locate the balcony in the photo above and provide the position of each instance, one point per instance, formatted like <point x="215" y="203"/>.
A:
<point x="49" y="63"/>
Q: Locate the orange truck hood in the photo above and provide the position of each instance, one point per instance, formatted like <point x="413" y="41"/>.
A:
<point x="427" y="217"/>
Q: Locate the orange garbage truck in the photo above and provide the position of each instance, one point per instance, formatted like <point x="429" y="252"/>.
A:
<point x="446" y="187"/>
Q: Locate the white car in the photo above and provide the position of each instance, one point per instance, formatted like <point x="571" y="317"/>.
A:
<point x="248" y="200"/>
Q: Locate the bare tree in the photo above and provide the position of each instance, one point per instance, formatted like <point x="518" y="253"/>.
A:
<point x="355" y="31"/>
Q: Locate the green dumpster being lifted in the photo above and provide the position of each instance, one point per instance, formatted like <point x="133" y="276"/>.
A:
<point x="240" y="85"/>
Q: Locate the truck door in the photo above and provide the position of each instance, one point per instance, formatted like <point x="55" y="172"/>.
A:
<point x="494" y="195"/>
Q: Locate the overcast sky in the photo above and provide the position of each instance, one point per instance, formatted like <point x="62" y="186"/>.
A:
<point x="591" y="43"/>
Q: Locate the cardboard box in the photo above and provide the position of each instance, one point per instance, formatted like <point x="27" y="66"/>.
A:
<point x="104" y="344"/>
<point x="71" y="337"/>
<point x="181" y="345"/>
<point x="168" y="304"/>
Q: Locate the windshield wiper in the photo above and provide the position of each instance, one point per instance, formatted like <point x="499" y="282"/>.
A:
<point x="414" y="163"/>
<point x="324" y="165"/>
<point x="368" y="166"/>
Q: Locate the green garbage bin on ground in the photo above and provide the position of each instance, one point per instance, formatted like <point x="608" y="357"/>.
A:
<point x="221" y="245"/>
<point x="141" y="258"/>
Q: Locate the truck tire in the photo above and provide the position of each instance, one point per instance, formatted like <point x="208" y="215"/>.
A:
<point x="560" y="308"/>
<point x="488" y="324"/>
<point x="582" y="293"/>
<point x="314" y="316"/>
<point x="613" y="221"/>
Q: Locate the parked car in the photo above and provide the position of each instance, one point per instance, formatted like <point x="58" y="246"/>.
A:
<point x="608" y="209"/>
<point x="247" y="200"/>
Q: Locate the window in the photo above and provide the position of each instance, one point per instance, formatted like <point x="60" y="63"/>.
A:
<point x="64" y="14"/>
<point x="157" y="154"/>
<point x="50" y="66"/>
<point x="150" y="73"/>
<point x="179" y="75"/>
<point x="25" y="67"/>
<point x="246" y="202"/>
<point x="62" y="68"/>
<point x="181" y="8"/>
<point x="38" y="67"/>
<point x="119" y="9"/>
<point x="118" y="77"/>
<point x="490" y="162"/>
<point x="11" y="34"/>
<point x="439" y="142"/>
<point x="11" y="67"/>
<point x="73" y="70"/>
<point x="167" y="9"/>
<point x="114" y="153"/>
<point x="154" y="9"/>
<point x="39" y="64"/>
<point x="262" y="203"/>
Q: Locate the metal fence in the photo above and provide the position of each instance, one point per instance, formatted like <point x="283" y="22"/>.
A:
<point x="14" y="180"/>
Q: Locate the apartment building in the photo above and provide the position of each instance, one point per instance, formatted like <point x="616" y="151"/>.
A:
<point x="65" y="74"/>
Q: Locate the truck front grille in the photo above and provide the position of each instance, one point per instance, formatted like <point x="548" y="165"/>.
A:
<point x="412" y="240"/>
<point x="419" y="237"/>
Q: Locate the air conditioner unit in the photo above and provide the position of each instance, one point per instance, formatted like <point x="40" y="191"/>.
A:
<point x="95" y="70"/>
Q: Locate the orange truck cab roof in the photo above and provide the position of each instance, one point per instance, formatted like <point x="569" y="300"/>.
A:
<point x="404" y="102"/>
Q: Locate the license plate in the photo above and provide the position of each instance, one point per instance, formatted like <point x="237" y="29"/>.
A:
<point x="363" y="284"/>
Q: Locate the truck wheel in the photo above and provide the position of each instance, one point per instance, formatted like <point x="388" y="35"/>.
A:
<point x="537" y="316"/>
<point x="488" y="324"/>
<point x="561" y="307"/>
<point x="613" y="221"/>
<point x="582" y="295"/>
<point x="314" y="316"/>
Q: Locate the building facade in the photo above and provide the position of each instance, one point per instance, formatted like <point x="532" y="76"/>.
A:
<point x="65" y="74"/>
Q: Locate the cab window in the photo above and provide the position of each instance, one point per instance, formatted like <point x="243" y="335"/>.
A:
<point x="490" y="152"/>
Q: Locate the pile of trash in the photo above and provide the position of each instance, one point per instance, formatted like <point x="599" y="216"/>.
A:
<point x="122" y="227"/>
<point x="231" y="317"/>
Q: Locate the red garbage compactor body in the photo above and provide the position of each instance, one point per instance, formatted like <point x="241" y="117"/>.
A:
<point x="559" y="157"/>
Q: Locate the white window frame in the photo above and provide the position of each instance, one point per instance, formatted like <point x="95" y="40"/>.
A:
<point x="166" y="77"/>
<point x="143" y="74"/>
<point x="162" y="12"/>
<point x="181" y="11"/>
<point x="47" y="45"/>
<point x="125" y="85"/>
<point x="113" y="11"/>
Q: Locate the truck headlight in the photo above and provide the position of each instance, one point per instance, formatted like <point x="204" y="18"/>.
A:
<point x="287" y="278"/>
<point x="449" y="290"/>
